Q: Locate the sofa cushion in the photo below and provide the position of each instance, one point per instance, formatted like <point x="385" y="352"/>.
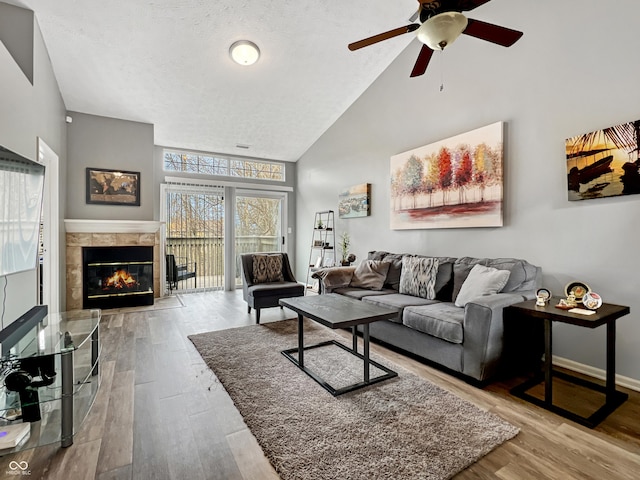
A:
<point x="481" y="281"/>
<point x="444" y="276"/>
<point x="370" y="274"/>
<point x="398" y="301"/>
<point x="442" y="320"/>
<point x="395" y="266"/>
<point x="267" y="268"/>
<point x="523" y="274"/>
<point x="418" y="276"/>
<point x="395" y="270"/>
<point x="360" y="293"/>
<point x="515" y="266"/>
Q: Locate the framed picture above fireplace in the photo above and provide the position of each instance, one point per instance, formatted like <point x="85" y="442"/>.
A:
<point x="113" y="187"/>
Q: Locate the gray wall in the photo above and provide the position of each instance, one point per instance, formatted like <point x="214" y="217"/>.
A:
<point x="109" y="143"/>
<point x="28" y="111"/>
<point x="574" y="71"/>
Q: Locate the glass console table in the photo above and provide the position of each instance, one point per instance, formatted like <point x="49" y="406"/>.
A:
<point x="69" y="344"/>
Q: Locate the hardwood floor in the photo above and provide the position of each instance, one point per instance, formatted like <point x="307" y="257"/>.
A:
<point x="161" y="413"/>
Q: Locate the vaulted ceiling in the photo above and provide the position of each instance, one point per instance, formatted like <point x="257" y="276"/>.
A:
<point x="166" y="62"/>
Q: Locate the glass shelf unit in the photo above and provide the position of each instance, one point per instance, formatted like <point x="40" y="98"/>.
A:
<point x="70" y="342"/>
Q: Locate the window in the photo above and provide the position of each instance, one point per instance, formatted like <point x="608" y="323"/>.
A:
<point x="228" y="167"/>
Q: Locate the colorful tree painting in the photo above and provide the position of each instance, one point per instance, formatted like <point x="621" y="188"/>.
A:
<point x="452" y="183"/>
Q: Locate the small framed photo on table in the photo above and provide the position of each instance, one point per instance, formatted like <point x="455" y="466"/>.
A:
<point x="113" y="187"/>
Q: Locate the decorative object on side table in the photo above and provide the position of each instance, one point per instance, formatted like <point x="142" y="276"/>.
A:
<point x="542" y="297"/>
<point x="113" y="187"/>
<point x="576" y="288"/>
<point x="592" y="300"/>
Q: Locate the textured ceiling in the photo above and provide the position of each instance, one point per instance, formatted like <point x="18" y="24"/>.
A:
<point x="166" y="62"/>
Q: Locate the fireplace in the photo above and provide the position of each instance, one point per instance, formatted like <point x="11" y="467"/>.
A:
<point x="115" y="277"/>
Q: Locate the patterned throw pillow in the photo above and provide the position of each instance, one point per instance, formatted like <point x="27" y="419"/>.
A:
<point x="418" y="277"/>
<point x="267" y="268"/>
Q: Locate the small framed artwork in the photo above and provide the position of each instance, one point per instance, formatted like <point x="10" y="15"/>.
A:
<point x="355" y="201"/>
<point x="113" y="187"/>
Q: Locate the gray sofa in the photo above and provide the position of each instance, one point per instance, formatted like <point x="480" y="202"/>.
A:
<point x="472" y="339"/>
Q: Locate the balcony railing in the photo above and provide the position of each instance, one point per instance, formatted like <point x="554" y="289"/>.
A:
<point x="208" y="253"/>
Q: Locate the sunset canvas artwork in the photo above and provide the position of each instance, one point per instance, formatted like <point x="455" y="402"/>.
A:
<point x="604" y="163"/>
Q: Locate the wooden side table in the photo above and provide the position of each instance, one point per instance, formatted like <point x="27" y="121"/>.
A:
<point x="607" y="315"/>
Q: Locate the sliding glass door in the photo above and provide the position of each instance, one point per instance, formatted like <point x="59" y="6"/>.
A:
<point x="195" y="226"/>
<point x="194" y="229"/>
<point x="258" y="225"/>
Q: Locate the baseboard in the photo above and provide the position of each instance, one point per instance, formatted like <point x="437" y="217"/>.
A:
<point x="626" y="382"/>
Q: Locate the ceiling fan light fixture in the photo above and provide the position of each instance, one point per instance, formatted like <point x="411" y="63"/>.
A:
<point x="244" y="52"/>
<point x="442" y="30"/>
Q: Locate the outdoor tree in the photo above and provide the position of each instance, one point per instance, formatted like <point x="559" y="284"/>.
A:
<point x="257" y="216"/>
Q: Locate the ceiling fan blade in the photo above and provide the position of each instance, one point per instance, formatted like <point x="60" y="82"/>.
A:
<point x="383" y="36"/>
<point x="415" y="16"/>
<point x="468" y="5"/>
<point x="422" y="61"/>
<point x="451" y="5"/>
<point x="492" y="33"/>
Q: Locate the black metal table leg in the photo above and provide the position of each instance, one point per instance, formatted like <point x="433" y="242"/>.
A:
<point x="548" y="366"/>
<point x="611" y="362"/>
<point x="365" y="336"/>
<point x="354" y="333"/>
<point x="300" y="341"/>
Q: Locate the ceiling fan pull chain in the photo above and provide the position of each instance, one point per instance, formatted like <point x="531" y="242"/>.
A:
<point x="441" y="71"/>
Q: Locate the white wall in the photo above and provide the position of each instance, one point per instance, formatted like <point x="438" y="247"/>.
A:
<point x="574" y="71"/>
<point x="29" y="111"/>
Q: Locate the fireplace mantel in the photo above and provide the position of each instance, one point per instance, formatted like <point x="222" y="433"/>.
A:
<point x="111" y="226"/>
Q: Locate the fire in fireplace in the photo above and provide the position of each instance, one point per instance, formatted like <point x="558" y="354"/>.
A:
<point x="117" y="277"/>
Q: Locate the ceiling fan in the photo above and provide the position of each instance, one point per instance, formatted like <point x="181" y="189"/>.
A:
<point x="441" y="22"/>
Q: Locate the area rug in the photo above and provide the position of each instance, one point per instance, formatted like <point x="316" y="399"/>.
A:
<point x="403" y="428"/>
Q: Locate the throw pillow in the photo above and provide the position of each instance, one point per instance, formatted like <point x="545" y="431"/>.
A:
<point x="418" y="277"/>
<point x="267" y="268"/>
<point x="461" y="269"/>
<point x="370" y="274"/>
<point x="481" y="281"/>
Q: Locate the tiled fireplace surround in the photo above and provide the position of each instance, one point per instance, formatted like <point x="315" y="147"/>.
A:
<point x="85" y="233"/>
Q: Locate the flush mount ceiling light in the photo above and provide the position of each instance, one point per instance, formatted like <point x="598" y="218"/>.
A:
<point x="244" y="52"/>
<point x="442" y="29"/>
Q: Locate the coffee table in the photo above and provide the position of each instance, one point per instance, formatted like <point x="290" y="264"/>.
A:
<point x="337" y="311"/>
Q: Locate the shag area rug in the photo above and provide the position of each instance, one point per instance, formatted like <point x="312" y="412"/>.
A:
<point x="403" y="428"/>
